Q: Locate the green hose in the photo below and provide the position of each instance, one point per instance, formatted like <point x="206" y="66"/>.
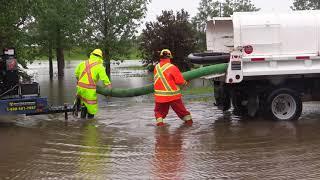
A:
<point x="197" y="73"/>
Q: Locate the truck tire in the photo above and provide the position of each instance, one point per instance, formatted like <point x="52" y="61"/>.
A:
<point x="284" y="104"/>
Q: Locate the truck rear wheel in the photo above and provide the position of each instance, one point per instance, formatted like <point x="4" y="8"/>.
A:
<point x="284" y="104"/>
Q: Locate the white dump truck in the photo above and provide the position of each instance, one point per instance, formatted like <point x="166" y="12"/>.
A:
<point x="273" y="62"/>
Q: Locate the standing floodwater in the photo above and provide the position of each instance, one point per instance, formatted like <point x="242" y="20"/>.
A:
<point x="124" y="143"/>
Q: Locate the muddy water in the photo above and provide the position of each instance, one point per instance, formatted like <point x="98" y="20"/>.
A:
<point x="123" y="143"/>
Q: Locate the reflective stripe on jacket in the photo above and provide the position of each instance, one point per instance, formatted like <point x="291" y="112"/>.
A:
<point x="88" y="82"/>
<point x="98" y="72"/>
<point x="167" y="77"/>
<point x="88" y="74"/>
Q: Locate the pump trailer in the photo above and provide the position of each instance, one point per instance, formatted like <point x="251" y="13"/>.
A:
<point x="22" y="98"/>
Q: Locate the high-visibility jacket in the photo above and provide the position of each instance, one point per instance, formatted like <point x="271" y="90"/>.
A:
<point x="167" y="78"/>
<point x="88" y="73"/>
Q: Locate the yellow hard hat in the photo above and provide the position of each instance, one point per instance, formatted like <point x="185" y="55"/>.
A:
<point x="166" y="53"/>
<point x="97" y="52"/>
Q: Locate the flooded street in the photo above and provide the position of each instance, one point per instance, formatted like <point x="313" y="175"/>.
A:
<point x="122" y="142"/>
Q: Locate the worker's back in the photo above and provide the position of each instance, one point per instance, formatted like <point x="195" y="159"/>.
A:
<point x="97" y="70"/>
<point x="167" y="77"/>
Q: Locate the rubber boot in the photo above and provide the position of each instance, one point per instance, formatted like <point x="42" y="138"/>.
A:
<point x="90" y="116"/>
<point x="160" y="124"/>
<point x="83" y="114"/>
<point x="189" y="122"/>
<point x="160" y="121"/>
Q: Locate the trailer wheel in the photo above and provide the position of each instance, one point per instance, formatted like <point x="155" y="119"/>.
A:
<point x="284" y="104"/>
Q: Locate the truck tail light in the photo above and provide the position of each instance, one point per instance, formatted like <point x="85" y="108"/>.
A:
<point x="248" y="49"/>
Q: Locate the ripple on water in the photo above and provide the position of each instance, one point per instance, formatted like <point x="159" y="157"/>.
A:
<point x="124" y="143"/>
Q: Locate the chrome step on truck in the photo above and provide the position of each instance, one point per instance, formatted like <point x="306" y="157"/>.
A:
<point x="274" y="62"/>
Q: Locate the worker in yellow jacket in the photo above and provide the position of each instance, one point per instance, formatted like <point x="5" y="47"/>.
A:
<point x="88" y="73"/>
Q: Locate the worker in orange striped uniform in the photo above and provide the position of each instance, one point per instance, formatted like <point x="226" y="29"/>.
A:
<point x="88" y="73"/>
<point x="167" y="79"/>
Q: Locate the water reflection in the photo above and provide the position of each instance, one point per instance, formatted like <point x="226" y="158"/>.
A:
<point x="169" y="159"/>
<point x="123" y="142"/>
<point x="94" y="155"/>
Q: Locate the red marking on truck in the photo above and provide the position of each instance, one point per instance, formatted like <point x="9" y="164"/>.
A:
<point x="258" y="59"/>
<point x="302" y="57"/>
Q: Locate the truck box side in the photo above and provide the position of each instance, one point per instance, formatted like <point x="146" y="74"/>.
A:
<point x="274" y="64"/>
<point x="281" y="43"/>
<point x="277" y="34"/>
<point x="219" y="33"/>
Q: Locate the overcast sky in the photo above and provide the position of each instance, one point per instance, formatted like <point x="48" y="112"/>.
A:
<point x="157" y="6"/>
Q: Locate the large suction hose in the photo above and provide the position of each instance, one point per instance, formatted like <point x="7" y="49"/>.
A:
<point x="204" y="71"/>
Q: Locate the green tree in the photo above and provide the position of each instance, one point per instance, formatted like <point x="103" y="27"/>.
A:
<point x="57" y="26"/>
<point x="230" y="6"/>
<point x="213" y="8"/>
<point x="111" y="24"/>
<point x="305" y="5"/>
<point x="171" y="31"/>
<point x="14" y="17"/>
<point x="207" y="9"/>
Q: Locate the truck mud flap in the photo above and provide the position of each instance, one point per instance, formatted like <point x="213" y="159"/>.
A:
<point x="222" y="96"/>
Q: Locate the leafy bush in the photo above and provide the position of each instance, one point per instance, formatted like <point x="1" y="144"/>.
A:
<point x="170" y="31"/>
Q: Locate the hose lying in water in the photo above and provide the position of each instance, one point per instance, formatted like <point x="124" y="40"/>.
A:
<point x="197" y="73"/>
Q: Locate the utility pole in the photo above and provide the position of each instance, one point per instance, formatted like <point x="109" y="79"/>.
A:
<point x="220" y="5"/>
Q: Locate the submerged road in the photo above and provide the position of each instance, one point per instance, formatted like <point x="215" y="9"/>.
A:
<point x="124" y="143"/>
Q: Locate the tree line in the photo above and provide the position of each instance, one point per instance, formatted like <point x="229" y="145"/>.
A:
<point x="49" y="27"/>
